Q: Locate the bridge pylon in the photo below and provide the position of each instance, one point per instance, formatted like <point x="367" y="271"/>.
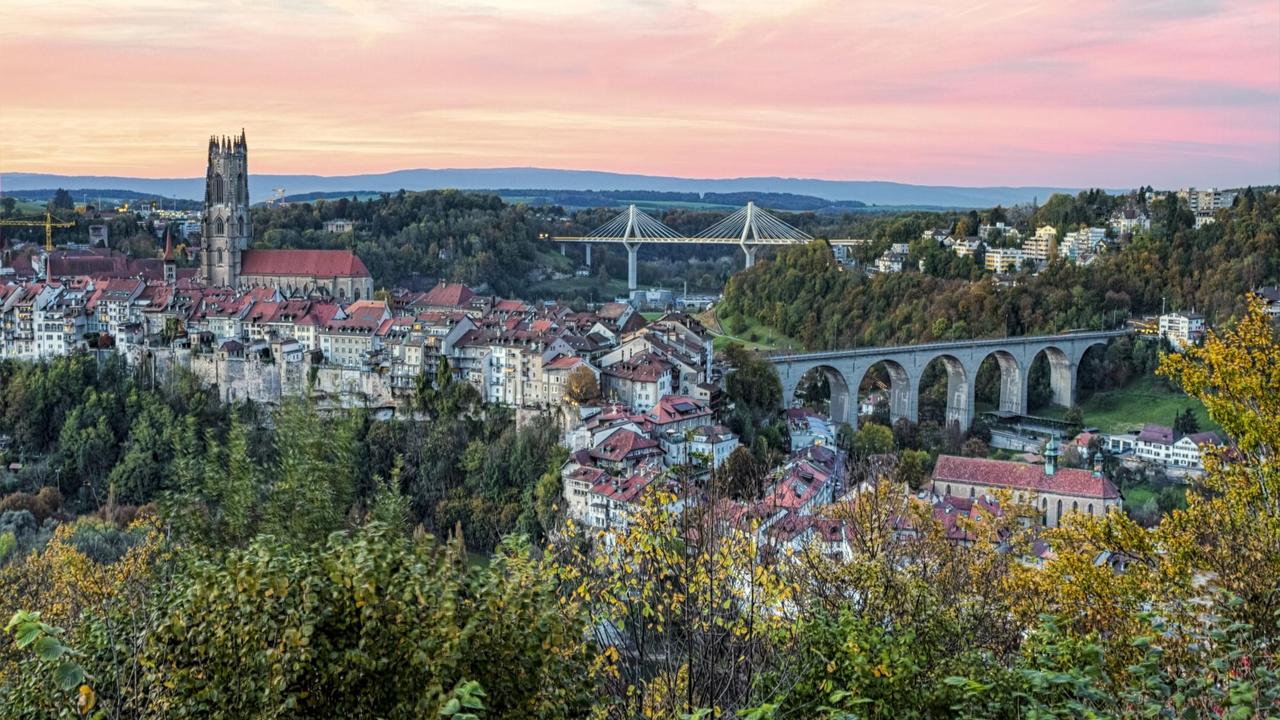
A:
<point x="631" y="227"/>
<point x="752" y="227"/>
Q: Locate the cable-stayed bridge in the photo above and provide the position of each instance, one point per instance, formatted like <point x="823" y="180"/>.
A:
<point x="749" y="228"/>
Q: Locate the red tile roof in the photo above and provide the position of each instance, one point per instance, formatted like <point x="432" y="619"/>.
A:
<point x="1021" y="476"/>
<point x="622" y="444"/>
<point x="302" y="263"/>
<point x="509" y="306"/>
<point x="645" y="367"/>
<point x="587" y="474"/>
<point x="612" y="311"/>
<point x="674" y="408"/>
<point x="564" y="362"/>
<point x="625" y="490"/>
<point x="453" y="295"/>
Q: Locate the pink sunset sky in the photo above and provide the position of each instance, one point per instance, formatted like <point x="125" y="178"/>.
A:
<point x="1054" y="92"/>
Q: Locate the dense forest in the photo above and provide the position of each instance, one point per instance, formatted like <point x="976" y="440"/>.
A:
<point x="279" y="572"/>
<point x="89" y="434"/>
<point x="806" y="296"/>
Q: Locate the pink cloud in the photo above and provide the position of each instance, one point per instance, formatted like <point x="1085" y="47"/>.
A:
<point x="1078" y="93"/>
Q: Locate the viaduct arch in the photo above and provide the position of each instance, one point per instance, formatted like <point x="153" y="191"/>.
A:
<point x="846" y="369"/>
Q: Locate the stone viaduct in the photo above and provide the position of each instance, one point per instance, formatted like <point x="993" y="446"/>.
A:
<point x="845" y="370"/>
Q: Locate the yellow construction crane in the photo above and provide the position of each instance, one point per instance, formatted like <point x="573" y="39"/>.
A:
<point x="48" y="224"/>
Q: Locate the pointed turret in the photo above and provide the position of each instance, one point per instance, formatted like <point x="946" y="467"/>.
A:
<point x="170" y="265"/>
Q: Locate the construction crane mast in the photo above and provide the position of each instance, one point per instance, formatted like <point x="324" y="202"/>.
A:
<point x="48" y="224"/>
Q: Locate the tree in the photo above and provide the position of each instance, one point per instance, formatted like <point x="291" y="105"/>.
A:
<point x="1074" y="418"/>
<point x="1229" y="531"/>
<point x="872" y="439"/>
<point x="682" y="609"/>
<point x="742" y="476"/>
<point x="314" y="474"/>
<point x="906" y="436"/>
<point x="317" y="628"/>
<point x="1185" y="422"/>
<point x="1231" y="526"/>
<point x="7" y="204"/>
<point x="912" y="468"/>
<point x="974" y="447"/>
<point x="752" y="382"/>
<point x="62" y="200"/>
<point x="581" y="385"/>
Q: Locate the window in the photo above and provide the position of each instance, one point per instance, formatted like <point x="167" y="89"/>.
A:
<point x="1090" y="508"/>
<point x="1075" y="506"/>
<point x="218" y="228"/>
<point x="240" y="227"/>
<point x="1059" y="508"/>
<point x="218" y="189"/>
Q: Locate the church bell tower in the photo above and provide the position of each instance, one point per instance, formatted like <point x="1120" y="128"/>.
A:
<point x="225" y="222"/>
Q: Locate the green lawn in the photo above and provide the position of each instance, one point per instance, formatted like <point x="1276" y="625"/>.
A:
<point x="30" y="208"/>
<point x="1136" y="496"/>
<point x="1143" y="400"/>
<point x="754" y="336"/>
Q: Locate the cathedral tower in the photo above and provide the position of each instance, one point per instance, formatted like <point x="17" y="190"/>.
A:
<point x="225" y="223"/>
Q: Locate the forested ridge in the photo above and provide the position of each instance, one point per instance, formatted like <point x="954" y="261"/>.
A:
<point x="406" y="239"/>
<point x="805" y="295"/>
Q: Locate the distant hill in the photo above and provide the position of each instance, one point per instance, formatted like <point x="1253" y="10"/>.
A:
<point x="260" y="186"/>
<point x="580" y="199"/>
<point x="104" y="195"/>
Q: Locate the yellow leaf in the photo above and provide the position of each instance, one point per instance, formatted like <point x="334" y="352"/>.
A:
<point x="87" y="700"/>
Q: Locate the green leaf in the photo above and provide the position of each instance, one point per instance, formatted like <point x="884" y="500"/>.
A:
<point x="26" y="634"/>
<point x="68" y="675"/>
<point x="49" y="648"/>
<point x="21" y="617"/>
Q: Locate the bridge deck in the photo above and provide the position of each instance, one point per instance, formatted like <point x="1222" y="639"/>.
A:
<point x="700" y="240"/>
<point x="783" y="358"/>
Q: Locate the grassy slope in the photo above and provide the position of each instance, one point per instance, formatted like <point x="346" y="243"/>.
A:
<point x="1143" y="400"/>
<point x="765" y="338"/>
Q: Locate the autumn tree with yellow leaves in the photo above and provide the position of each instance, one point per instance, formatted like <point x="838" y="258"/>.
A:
<point x="1217" y="561"/>
<point x="686" y="607"/>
